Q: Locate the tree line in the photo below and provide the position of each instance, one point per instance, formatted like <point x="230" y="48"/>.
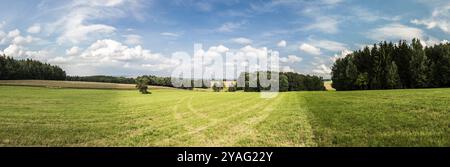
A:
<point x="393" y="66"/>
<point x="11" y="69"/>
<point x="288" y="81"/>
<point x="102" y="78"/>
<point x="155" y="80"/>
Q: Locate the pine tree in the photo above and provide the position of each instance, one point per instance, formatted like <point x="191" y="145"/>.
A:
<point x="352" y="74"/>
<point x="418" y="64"/>
<point x="284" y="83"/>
<point x="393" y="79"/>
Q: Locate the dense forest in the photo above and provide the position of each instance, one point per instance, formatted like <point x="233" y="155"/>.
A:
<point x="11" y="69"/>
<point x="394" y="66"/>
<point x="102" y="78"/>
<point x="288" y="81"/>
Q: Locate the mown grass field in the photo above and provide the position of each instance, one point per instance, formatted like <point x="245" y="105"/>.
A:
<point x="73" y="84"/>
<point x="36" y="116"/>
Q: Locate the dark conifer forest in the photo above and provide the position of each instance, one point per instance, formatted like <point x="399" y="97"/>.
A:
<point x="394" y="66"/>
<point x="11" y="69"/>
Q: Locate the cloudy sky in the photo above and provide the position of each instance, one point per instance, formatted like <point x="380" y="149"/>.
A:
<point x="133" y="37"/>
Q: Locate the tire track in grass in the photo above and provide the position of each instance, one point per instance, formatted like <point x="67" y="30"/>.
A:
<point x="187" y="116"/>
<point x="197" y="131"/>
<point x="235" y="120"/>
<point x="245" y="130"/>
<point x="128" y="137"/>
<point x="171" y="124"/>
<point x="288" y="126"/>
<point x="306" y="133"/>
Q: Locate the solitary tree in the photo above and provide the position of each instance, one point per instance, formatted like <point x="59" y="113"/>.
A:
<point x="141" y="85"/>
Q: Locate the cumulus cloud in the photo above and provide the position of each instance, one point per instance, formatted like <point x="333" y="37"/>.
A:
<point x="310" y="49"/>
<point x="322" y="69"/>
<point x="105" y="54"/>
<point x="342" y="54"/>
<point x="14" y="33"/>
<point x="282" y="44"/>
<point x="219" y="49"/>
<point x="17" y="45"/>
<point x="439" y="19"/>
<point x="291" y="59"/>
<point x="73" y="51"/>
<point x="15" y="37"/>
<point x="34" y="29"/>
<point x="21" y="52"/>
<point x="235" y="60"/>
<point x="242" y="41"/>
<point x="395" y="32"/>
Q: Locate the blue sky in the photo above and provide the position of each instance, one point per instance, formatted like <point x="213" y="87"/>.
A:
<point x="134" y="37"/>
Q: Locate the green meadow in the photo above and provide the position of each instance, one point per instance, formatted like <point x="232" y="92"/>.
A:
<point x="37" y="116"/>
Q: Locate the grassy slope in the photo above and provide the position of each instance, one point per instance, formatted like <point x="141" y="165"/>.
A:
<point x="79" y="117"/>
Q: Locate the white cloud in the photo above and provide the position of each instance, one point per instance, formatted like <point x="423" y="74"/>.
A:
<point x="14" y="33"/>
<point x="282" y="44"/>
<point x="341" y="55"/>
<point x="220" y="49"/>
<point x="395" y="32"/>
<point x="310" y="49"/>
<point x="106" y="54"/>
<point x="170" y="34"/>
<point x="287" y="69"/>
<point x="324" y="24"/>
<point x="73" y="51"/>
<point x="14" y="51"/>
<point x="22" y="40"/>
<point x="79" y="22"/>
<point x="329" y="45"/>
<point x="439" y="19"/>
<point x="291" y="59"/>
<point x="15" y="37"/>
<point x="21" y="52"/>
<point x="34" y="29"/>
<point x="242" y="41"/>
<point x="367" y="15"/>
<point x="229" y="27"/>
<point x="322" y="69"/>
<point x="133" y="39"/>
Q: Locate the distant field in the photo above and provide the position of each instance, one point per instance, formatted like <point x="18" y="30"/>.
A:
<point x="72" y="84"/>
<point x="37" y="116"/>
